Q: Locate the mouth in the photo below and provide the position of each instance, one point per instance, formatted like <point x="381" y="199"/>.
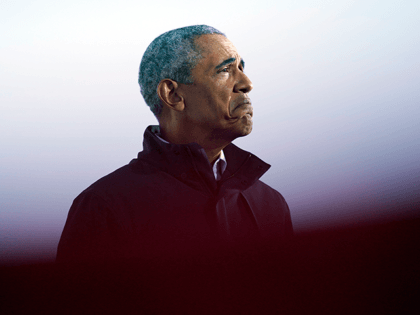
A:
<point x="246" y="103"/>
<point x="242" y="108"/>
<point x="246" y="108"/>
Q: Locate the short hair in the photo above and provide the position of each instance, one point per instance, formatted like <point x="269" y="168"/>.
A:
<point x="171" y="55"/>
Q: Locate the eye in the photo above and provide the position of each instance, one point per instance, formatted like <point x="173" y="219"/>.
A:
<point x="226" y="69"/>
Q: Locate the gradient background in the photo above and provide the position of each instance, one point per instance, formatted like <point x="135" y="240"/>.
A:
<point x="336" y="104"/>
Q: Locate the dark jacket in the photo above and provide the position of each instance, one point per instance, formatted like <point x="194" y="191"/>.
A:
<point x="167" y="201"/>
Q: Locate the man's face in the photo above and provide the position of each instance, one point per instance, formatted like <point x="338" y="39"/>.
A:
<point x="218" y="99"/>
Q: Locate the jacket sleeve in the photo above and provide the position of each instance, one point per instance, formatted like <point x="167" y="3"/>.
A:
<point x="89" y="232"/>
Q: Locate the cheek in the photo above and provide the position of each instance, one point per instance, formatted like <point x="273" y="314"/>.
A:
<point x="222" y="94"/>
<point x="227" y="100"/>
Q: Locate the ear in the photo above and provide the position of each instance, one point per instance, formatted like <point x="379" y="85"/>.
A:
<point x="168" y="92"/>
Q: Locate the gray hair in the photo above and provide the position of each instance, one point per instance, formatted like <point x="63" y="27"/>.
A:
<point x="172" y="55"/>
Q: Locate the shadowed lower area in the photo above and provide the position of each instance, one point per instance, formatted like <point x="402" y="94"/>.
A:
<point x="371" y="269"/>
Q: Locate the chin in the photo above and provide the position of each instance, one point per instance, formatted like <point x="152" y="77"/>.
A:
<point x="239" y="129"/>
<point x="246" y="131"/>
<point x="243" y="130"/>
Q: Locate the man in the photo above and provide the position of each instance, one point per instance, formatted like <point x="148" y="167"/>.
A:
<point x="190" y="189"/>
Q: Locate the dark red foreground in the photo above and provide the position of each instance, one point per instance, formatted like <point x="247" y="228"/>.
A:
<point x="365" y="270"/>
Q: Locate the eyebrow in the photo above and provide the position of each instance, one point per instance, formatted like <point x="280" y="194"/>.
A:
<point x="230" y="60"/>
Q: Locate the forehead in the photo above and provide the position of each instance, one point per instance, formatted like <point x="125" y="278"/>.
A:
<point x="215" y="48"/>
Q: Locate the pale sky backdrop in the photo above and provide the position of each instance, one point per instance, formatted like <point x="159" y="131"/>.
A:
<point x="336" y="103"/>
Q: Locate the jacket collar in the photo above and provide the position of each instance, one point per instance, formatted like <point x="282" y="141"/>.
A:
<point x="189" y="164"/>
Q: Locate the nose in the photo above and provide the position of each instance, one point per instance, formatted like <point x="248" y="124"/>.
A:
<point x="244" y="84"/>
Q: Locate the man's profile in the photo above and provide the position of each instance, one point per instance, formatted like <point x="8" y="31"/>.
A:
<point x="190" y="188"/>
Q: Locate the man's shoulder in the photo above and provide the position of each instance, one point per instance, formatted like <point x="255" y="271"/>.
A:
<point x="273" y="210"/>
<point x="125" y="179"/>
<point x="261" y="190"/>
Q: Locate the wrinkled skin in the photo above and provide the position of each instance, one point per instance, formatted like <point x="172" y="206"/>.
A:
<point x="218" y="99"/>
<point x="216" y="108"/>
